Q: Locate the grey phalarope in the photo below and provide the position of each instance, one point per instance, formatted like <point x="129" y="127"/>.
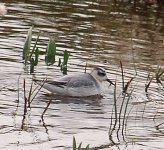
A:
<point x="77" y="85"/>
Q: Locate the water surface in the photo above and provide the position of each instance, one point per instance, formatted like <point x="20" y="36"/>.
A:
<point x="96" y="32"/>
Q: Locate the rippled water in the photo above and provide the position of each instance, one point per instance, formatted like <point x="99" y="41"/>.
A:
<point x="97" y="32"/>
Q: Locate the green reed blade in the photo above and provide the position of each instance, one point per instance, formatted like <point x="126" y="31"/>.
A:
<point x="65" y="62"/>
<point x="66" y="56"/>
<point x="87" y="147"/>
<point x="36" y="56"/>
<point x="35" y="45"/>
<point x="50" y="53"/>
<point x="74" y="143"/>
<point x="27" y="44"/>
<point x="159" y="73"/>
<point x="64" y="69"/>
<point x="79" y="147"/>
<point x="32" y="64"/>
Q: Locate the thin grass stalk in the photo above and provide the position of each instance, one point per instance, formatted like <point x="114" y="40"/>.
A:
<point x="25" y="105"/>
<point x="111" y="139"/>
<point x="125" y="88"/>
<point x="111" y="129"/>
<point x="124" y="117"/>
<point x="147" y="86"/>
<point x="38" y="90"/>
<point x="115" y="104"/>
<point x="122" y="74"/>
<point x="130" y="109"/>
<point x="127" y="117"/>
<point x="18" y="87"/>
<point x="59" y="62"/>
<point x="157" y="126"/>
<point x="147" y="95"/>
<point x="45" y="126"/>
<point x="120" y="114"/>
<point x="34" y="90"/>
<point x="18" y="92"/>
<point x="144" y="110"/>
<point x="24" y="117"/>
<point x="123" y="101"/>
<point x="148" y="76"/>
<point x="114" y="111"/>
<point x="127" y="85"/>
<point x="46" y="107"/>
<point x="24" y="87"/>
<point x="30" y="94"/>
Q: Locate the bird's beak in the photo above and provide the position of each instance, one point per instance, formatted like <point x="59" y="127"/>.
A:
<point x="110" y="81"/>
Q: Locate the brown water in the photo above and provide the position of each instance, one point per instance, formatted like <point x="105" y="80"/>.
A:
<point x="97" y="32"/>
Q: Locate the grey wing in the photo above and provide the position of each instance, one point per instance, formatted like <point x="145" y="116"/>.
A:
<point x="83" y="80"/>
<point x="78" y="80"/>
<point x="62" y="82"/>
<point x="57" y="83"/>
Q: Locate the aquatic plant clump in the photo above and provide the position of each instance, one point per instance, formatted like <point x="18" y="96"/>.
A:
<point x="31" y="53"/>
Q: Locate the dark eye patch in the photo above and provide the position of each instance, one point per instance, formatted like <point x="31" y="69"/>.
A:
<point x="102" y="74"/>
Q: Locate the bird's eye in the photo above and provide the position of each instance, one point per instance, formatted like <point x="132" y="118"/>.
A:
<point x="102" y="74"/>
